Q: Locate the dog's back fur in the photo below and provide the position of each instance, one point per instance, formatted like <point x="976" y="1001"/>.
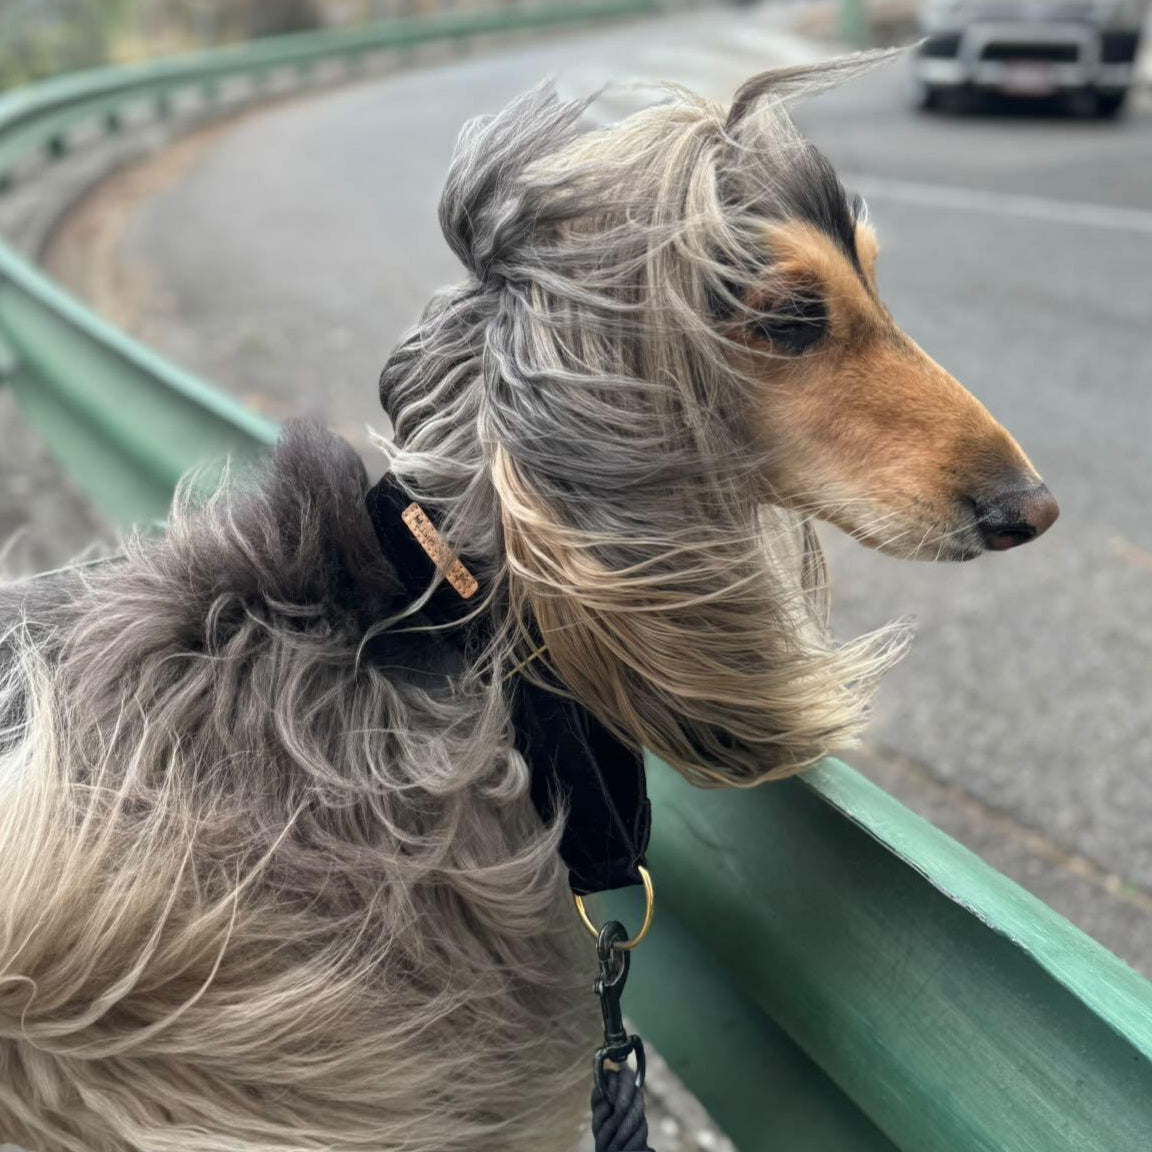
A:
<point x="260" y="892"/>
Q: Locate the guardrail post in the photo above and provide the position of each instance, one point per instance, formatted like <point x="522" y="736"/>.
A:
<point x="8" y="362"/>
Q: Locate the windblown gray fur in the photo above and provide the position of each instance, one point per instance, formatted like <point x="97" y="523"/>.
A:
<point x="269" y="875"/>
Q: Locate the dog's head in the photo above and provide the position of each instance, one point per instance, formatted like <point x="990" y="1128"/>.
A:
<point x="671" y="357"/>
<point x="859" y="425"/>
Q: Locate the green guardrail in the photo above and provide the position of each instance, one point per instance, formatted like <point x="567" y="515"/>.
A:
<point x="120" y="419"/>
<point x="827" y="971"/>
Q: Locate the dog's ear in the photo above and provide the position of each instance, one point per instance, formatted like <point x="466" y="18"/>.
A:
<point x="484" y="210"/>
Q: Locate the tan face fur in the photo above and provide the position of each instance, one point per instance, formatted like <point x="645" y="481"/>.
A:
<point x="864" y="430"/>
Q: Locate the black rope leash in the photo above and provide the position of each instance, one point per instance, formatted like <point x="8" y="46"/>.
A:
<point x="618" y="1121"/>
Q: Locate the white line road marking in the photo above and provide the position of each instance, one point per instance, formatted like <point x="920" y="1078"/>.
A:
<point x="1072" y="212"/>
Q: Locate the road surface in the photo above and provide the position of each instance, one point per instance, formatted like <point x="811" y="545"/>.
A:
<point x="282" y="256"/>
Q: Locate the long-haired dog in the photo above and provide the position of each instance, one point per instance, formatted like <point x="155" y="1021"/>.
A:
<point x="269" y="874"/>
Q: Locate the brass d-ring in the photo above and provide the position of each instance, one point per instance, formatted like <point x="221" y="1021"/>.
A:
<point x="650" y="901"/>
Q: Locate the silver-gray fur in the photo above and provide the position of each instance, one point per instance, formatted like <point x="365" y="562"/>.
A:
<point x="269" y="875"/>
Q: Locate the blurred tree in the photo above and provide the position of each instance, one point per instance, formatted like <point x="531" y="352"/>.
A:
<point x="39" y="38"/>
<point x="270" y="17"/>
<point x="42" y="37"/>
<point x="214" y="21"/>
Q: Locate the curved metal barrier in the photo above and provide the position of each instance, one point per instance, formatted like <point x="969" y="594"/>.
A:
<point x="828" y="972"/>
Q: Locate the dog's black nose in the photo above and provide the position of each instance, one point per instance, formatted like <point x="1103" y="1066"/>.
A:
<point x="1017" y="516"/>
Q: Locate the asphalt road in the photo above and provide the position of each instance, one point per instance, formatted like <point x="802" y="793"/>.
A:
<point x="289" y="251"/>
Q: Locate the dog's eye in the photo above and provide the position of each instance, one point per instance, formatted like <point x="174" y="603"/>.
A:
<point x="792" y="325"/>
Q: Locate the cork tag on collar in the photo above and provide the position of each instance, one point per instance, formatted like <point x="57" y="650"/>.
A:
<point x="438" y="551"/>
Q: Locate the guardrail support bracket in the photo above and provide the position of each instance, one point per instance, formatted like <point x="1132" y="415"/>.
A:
<point x="8" y="362"/>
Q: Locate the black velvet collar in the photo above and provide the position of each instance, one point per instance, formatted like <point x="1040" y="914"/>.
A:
<point x="574" y="760"/>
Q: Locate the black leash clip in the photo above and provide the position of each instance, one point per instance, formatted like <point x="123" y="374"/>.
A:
<point x="618" y="1044"/>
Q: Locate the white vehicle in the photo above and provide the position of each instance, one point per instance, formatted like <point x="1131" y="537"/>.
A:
<point x="1030" y="48"/>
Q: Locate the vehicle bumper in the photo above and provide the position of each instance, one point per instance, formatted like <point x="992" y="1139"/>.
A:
<point x="1028" y="58"/>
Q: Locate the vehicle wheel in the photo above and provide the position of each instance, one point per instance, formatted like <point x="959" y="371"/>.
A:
<point x="1109" y="105"/>
<point x="961" y="101"/>
<point x="927" y="97"/>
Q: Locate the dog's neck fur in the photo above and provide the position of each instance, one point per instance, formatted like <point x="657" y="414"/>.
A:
<point x="580" y="773"/>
